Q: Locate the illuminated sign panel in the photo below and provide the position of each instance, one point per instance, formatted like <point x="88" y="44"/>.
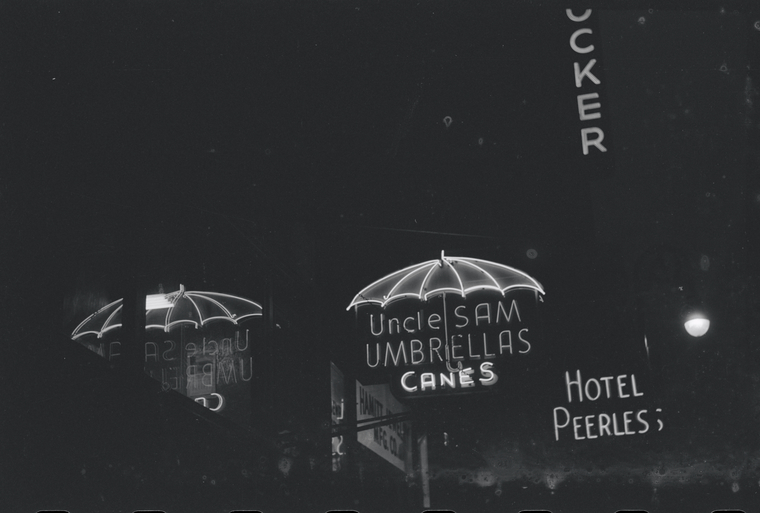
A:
<point x="391" y="442"/>
<point x="203" y="368"/>
<point x="441" y="332"/>
<point x="196" y="345"/>
<point x="213" y="366"/>
<point x="585" y="75"/>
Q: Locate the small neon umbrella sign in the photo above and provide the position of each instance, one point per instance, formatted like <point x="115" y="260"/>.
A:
<point x="165" y="311"/>
<point x="447" y="275"/>
<point x="459" y="275"/>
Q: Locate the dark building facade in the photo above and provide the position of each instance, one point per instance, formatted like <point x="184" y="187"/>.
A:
<point x="565" y="188"/>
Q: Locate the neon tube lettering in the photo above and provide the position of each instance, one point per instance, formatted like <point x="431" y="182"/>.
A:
<point x="582" y="17"/>
<point x="395" y="357"/>
<point x="502" y="346"/>
<point x="237" y="341"/>
<point x="216" y="346"/>
<point x="646" y="424"/>
<point x="435" y="349"/>
<point x="448" y="380"/>
<point x="519" y="336"/>
<point x="508" y="316"/>
<point x="404" y="385"/>
<point x="589" y="425"/>
<point x="221" y="402"/>
<point x="486" y="354"/>
<point x="111" y="352"/>
<point x="469" y="346"/>
<point x="598" y="390"/>
<point x="208" y="372"/>
<point x="172" y="346"/>
<point x="151" y="354"/>
<point x="460" y="316"/>
<point x="597" y="142"/>
<point x="418" y="351"/>
<point x="427" y="380"/>
<point x="584" y="107"/>
<point x="574" y="44"/>
<point x="576" y="383"/>
<point x="626" y="422"/>
<point x="464" y="377"/>
<point x="621" y="385"/>
<point x="489" y="377"/>
<point x="372" y="325"/>
<point x="604" y="424"/>
<point x="377" y="359"/>
<point x="633" y="385"/>
<point x="250" y="367"/>
<point x="479" y="317"/>
<point x="226" y="376"/>
<point x="557" y="426"/>
<point x="454" y="347"/>
<point x="586" y="72"/>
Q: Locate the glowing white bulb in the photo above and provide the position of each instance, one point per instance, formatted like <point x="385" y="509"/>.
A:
<point x="697" y="326"/>
<point x="157" y="301"/>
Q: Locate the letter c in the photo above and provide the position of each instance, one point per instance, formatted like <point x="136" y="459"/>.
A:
<point x="574" y="45"/>
<point x="221" y="402"/>
<point x="404" y="385"/>
<point x="582" y="17"/>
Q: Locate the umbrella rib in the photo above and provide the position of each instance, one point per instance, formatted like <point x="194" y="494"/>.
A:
<point x="105" y="324"/>
<point x="407" y="276"/>
<point x="471" y="264"/>
<point x="427" y="277"/>
<point x="217" y="303"/>
<point x="75" y="334"/>
<point x="362" y="293"/>
<point x="459" y="278"/>
<point x="192" y="302"/>
<point x="537" y="286"/>
<point x="169" y="312"/>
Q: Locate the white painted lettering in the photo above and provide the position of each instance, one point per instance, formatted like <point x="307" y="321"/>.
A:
<point x="585" y="73"/>
<point x="557" y="426"/>
<point x="574" y="44"/>
<point x="582" y="17"/>
<point x="586" y="141"/>
<point x="584" y="108"/>
<point x="460" y="316"/>
<point x="576" y="383"/>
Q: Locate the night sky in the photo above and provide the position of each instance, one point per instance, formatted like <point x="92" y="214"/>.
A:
<point x="306" y="149"/>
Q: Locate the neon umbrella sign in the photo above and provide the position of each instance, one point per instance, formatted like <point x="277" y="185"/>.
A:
<point x="182" y="307"/>
<point x="460" y="275"/>
<point x="447" y="275"/>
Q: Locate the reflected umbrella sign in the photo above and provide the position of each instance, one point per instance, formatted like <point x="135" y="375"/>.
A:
<point x="196" y="345"/>
<point x="182" y="307"/>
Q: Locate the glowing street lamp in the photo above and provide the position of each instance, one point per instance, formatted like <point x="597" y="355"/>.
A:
<point x="697" y="325"/>
<point x="696" y="322"/>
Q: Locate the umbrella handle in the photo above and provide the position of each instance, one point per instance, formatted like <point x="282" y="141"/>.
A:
<point x="448" y="365"/>
<point x="446" y="335"/>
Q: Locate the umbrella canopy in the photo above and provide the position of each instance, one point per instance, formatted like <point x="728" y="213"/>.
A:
<point x="460" y="275"/>
<point x="181" y="307"/>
